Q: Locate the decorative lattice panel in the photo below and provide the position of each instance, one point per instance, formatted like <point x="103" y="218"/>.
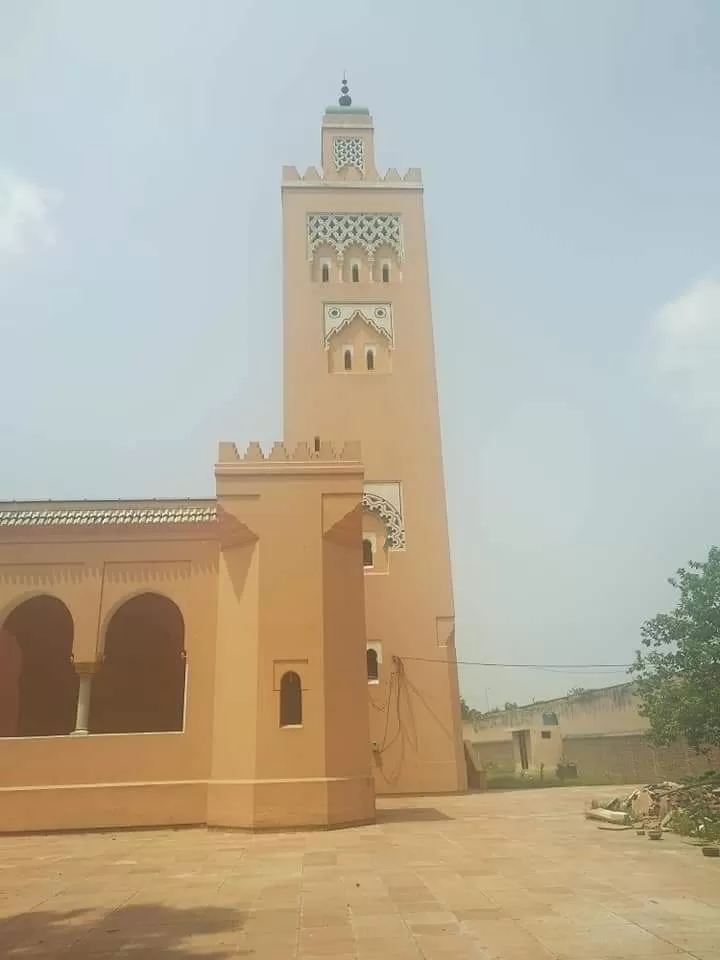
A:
<point x="369" y="231"/>
<point x="391" y="518"/>
<point x="349" y="152"/>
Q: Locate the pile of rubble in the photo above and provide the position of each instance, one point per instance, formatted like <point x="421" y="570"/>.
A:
<point x="690" y="808"/>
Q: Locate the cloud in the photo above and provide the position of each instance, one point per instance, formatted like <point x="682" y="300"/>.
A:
<point x="25" y="216"/>
<point x="688" y="346"/>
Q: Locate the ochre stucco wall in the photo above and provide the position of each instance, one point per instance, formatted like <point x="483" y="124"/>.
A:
<point x="275" y="585"/>
<point x="395" y="415"/>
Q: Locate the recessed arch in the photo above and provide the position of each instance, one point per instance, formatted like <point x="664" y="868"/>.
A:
<point x="22" y="598"/>
<point x="140" y="686"/>
<point x="368" y="552"/>
<point x="120" y="602"/>
<point x="290" y="700"/>
<point x="373" y="669"/>
<point x="38" y="684"/>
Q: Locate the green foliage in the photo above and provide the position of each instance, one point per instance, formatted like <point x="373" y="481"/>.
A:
<point x="678" y="672"/>
<point x="468" y="714"/>
<point x="510" y="705"/>
<point x="514" y="781"/>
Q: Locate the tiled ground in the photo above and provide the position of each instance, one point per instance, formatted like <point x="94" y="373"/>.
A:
<point x="520" y="876"/>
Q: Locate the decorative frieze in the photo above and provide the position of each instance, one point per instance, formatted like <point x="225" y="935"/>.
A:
<point x="385" y="501"/>
<point x="369" y="231"/>
<point x="336" y="316"/>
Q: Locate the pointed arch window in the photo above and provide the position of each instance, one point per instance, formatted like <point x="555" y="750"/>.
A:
<point x="370" y="359"/>
<point x="368" y="553"/>
<point x="325" y="273"/>
<point x="373" y="671"/>
<point x="386" y="273"/>
<point x="290" y="700"/>
<point x="347" y="359"/>
<point x="355" y="273"/>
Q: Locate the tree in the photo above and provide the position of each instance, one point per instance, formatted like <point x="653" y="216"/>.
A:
<point x="469" y="714"/>
<point x="678" y="672"/>
<point x="510" y="705"/>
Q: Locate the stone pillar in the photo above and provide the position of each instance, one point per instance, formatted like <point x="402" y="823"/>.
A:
<point x="85" y="672"/>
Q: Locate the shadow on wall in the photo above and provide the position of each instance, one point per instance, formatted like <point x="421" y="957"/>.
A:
<point x="38" y="685"/>
<point x="148" y="930"/>
<point x="140" y="686"/>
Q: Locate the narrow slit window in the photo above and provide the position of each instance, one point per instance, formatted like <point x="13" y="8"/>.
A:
<point x="386" y="273"/>
<point x="368" y="557"/>
<point x="355" y="273"/>
<point x="370" y="359"/>
<point x="290" y="700"/>
<point x="372" y="664"/>
<point x="347" y="360"/>
<point x="325" y="273"/>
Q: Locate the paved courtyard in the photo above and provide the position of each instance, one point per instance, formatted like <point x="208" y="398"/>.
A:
<point x="512" y="876"/>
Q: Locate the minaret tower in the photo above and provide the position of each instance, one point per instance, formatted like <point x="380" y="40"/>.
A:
<point x="359" y="363"/>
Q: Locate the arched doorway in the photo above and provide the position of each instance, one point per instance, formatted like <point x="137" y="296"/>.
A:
<point x="38" y="685"/>
<point x="140" y="686"/>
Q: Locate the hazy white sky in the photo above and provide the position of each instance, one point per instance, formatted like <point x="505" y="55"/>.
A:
<point x="570" y="154"/>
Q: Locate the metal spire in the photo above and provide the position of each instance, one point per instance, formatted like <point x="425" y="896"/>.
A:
<point x="345" y="100"/>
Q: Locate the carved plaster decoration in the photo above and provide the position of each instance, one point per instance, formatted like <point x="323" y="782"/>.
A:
<point x="349" y="152"/>
<point x="385" y="501"/>
<point x="369" y="231"/>
<point x="337" y="316"/>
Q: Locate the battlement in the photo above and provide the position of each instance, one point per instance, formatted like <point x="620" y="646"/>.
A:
<point x="307" y="453"/>
<point x="291" y="177"/>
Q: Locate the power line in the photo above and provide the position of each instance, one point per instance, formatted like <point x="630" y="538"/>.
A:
<point x="609" y="667"/>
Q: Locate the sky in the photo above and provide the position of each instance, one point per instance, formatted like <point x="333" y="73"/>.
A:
<point x="571" y="156"/>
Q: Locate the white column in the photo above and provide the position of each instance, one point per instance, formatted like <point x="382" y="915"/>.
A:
<point x="83" y="706"/>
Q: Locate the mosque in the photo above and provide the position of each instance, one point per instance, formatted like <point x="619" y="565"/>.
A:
<point x="279" y="654"/>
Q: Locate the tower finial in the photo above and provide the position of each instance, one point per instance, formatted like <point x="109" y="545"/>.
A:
<point x="345" y="100"/>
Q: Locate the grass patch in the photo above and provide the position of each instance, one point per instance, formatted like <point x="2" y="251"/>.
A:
<point x="514" y="781"/>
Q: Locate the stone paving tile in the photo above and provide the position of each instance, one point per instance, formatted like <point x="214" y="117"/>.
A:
<point x="514" y="876"/>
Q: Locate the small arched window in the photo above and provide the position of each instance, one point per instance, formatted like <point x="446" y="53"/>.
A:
<point x="370" y="359"/>
<point x="371" y="658"/>
<point x="368" y="557"/>
<point x="386" y="273"/>
<point x="325" y="273"/>
<point x="347" y="359"/>
<point x="290" y="700"/>
<point x="355" y="273"/>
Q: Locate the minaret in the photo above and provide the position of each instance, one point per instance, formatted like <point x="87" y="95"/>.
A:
<point x="359" y="363"/>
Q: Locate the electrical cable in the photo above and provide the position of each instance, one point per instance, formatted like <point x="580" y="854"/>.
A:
<point x="609" y="667"/>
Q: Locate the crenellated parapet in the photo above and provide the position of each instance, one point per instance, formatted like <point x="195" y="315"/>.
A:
<point x="352" y="175"/>
<point x="317" y="451"/>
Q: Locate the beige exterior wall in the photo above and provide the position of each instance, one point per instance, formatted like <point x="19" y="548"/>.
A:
<point x="65" y="782"/>
<point x="600" y="731"/>
<point x="274" y="584"/>
<point x="394" y="412"/>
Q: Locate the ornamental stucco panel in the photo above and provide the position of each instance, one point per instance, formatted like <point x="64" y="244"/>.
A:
<point x="337" y="316"/>
<point x="385" y="501"/>
<point x="349" y="152"/>
<point x="369" y="231"/>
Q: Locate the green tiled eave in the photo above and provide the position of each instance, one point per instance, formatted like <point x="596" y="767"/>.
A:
<point x="81" y="514"/>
